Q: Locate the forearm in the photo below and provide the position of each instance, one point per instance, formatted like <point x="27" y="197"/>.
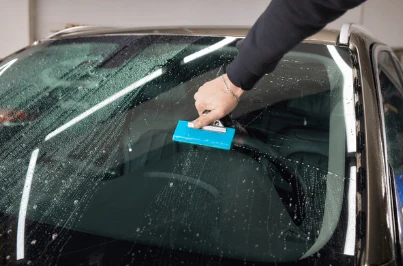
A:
<point x="284" y="24"/>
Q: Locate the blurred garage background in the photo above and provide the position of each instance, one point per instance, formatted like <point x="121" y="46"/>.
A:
<point x="23" y="21"/>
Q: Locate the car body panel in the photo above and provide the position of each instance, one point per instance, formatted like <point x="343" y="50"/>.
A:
<point x="393" y="210"/>
<point x="379" y="238"/>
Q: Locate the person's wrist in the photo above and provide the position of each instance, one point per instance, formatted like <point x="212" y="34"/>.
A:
<point x="236" y="90"/>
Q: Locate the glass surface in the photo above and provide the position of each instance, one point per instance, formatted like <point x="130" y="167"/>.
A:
<point x="392" y="104"/>
<point x="89" y="172"/>
<point x="392" y="96"/>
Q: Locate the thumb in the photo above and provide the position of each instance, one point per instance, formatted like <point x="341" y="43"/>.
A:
<point x="207" y="119"/>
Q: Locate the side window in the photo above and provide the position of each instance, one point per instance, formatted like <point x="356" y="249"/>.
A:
<point x="392" y="100"/>
<point x="392" y="97"/>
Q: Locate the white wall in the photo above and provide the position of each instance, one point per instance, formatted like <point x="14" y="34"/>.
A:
<point x="137" y="13"/>
<point x="382" y="17"/>
<point x="14" y="26"/>
<point x="385" y="20"/>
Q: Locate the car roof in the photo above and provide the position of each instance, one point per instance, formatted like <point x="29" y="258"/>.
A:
<point x="324" y="36"/>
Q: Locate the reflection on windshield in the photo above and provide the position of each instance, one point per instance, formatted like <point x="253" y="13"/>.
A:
<point x="348" y="99"/>
<point x="105" y="102"/>
<point x="209" y="49"/>
<point x="4" y="67"/>
<point x="102" y="180"/>
<point x="350" y="122"/>
<point x="24" y="205"/>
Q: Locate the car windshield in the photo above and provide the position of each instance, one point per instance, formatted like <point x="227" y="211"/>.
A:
<point x="90" y="175"/>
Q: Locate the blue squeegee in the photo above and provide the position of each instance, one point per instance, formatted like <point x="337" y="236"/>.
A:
<point x="216" y="136"/>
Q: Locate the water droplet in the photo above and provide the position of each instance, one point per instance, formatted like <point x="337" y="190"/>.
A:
<point x="171" y="184"/>
<point x="34" y="207"/>
<point x="75" y="202"/>
<point x="33" y="242"/>
<point x="54" y="236"/>
<point x="138" y="229"/>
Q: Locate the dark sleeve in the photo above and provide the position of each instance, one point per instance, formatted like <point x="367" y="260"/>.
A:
<point x="283" y="25"/>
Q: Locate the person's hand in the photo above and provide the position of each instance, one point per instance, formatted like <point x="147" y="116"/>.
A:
<point x="214" y="97"/>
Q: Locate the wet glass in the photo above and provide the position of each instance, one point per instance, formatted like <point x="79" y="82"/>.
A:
<point x="89" y="172"/>
<point x="391" y="89"/>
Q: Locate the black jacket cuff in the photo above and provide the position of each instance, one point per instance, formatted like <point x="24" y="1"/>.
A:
<point x="241" y="77"/>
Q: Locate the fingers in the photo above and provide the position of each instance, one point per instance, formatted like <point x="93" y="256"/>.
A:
<point x="200" y="109"/>
<point x="212" y="96"/>
<point x="205" y="120"/>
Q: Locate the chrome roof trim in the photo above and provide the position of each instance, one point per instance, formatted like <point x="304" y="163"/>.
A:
<point x="77" y="29"/>
<point x="182" y="30"/>
<point x="344" y="34"/>
<point x="347" y="29"/>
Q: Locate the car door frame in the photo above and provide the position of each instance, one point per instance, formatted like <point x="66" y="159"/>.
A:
<point x="373" y="208"/>
<point x="398" y="240"/>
